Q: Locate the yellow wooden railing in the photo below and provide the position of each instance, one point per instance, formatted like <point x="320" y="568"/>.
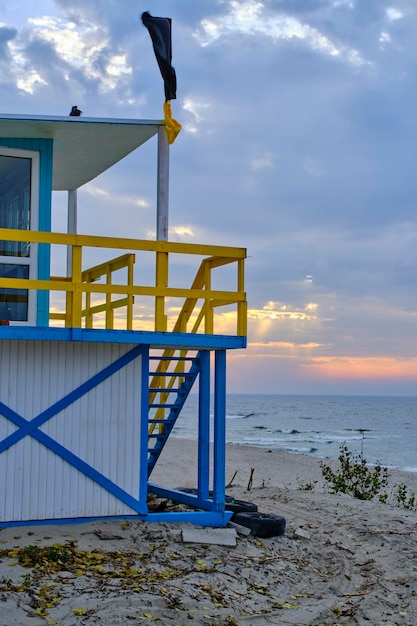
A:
<point x="93" y="274"/>
<point x="200" y="301"/>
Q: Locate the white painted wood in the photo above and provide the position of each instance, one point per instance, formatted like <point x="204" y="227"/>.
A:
<point x="102" y="428"/>
<point x="83" y="147"/>
<point x="162" y="186"/>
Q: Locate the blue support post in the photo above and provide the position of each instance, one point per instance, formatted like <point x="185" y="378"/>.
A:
<point x="144" y="409"/>
<point x="219" y="460"/>
<point x="204" y="425"/>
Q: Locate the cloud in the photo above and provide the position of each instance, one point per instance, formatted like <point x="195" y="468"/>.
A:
<point x="196" y="109"/>
<point x="362" y="368"/>
<point x="6" y="35"/>
<point x="251" y="18"/>
<point x="262" y="161"/>
<point x="393" y="14"/>
<point x="298" y="143"/>
<point x="53" y="50"/>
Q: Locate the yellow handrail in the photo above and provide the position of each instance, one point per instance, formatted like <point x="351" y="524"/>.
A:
<point x="79" y="286"/>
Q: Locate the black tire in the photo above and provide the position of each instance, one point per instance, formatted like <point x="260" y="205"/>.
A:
<point x="239" y="506"/>
<point x="262" y="524"/>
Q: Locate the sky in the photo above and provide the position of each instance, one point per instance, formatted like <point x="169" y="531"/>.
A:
<point x="298" y="143"/>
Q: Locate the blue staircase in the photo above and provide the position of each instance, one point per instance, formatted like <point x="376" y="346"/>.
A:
<point x="170" y="383"/>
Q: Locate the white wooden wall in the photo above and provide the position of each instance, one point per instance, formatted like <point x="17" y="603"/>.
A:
<point x="102" y="428"/>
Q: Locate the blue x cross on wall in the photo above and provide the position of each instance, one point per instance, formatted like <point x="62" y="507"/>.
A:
<point x="31" y="427"/>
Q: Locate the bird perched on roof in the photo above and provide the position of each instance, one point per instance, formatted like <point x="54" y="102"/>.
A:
<point x="75" y="111"/>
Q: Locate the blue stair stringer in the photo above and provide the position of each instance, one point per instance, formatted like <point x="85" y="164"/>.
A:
<point x="172" y="386"/>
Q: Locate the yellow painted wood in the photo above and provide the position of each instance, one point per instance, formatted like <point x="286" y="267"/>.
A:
<point x="199" y="302"/>
<point x="77" y="280"/>
<point x="161" y="320"/>
<point x="130" y="298"/>
<point x="96" y="241"/>
<point x="119" y="263"/>
<point x="228" y="297"/>
<point x="57" y="316"/>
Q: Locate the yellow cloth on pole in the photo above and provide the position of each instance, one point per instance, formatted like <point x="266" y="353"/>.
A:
<point x="172" y="126"/>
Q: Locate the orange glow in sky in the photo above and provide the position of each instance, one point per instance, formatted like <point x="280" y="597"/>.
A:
<point x="335" y="367"/>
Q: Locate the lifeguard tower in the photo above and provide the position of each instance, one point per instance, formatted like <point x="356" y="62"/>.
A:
<point x="89" y="390"/>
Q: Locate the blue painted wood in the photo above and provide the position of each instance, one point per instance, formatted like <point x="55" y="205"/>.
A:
<point x="71" y="458"/>
<point x="214" y="520"/>
<point x="45" y="148"/>
<point x="143" y="459"/>
<point x="203" y="467"/>
<point x="202" y="518"/>
<point x="30" y="428"/>
<point x="219" y="452"/>
<point x="189" y="378"/>
<point x="155" y="339"/>
<point x="45" y="224"/>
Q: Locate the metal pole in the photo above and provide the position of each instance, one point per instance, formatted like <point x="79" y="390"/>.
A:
<point x="162" y="186"/>
<point x="71" y="224"/>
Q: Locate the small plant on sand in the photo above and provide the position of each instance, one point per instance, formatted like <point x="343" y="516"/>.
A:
<point x="307" y="485"/>
<point x="404" y="499"/>
<point x="354" y="476"/>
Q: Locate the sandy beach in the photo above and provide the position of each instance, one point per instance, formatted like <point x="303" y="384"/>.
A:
<point x="341" y="560"/>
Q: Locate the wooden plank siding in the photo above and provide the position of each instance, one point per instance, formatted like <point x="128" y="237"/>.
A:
<point x="84" y="457"/>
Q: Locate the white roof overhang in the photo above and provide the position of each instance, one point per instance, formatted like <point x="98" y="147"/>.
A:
<point x="83" y="147"/>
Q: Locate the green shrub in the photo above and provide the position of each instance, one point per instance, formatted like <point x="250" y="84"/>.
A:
<point x="355" y="477"/>
<point x="404" y="499"/>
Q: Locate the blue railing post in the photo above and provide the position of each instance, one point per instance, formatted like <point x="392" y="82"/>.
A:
<point x="204" y="425"/>
<point x="219" y="460"/>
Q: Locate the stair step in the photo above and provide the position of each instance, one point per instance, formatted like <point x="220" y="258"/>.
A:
<point x="166" y="389"/>
<point x="160" y="429"/>
<point x="172" y="358"/>
<point x="177" y="374"/>
<point x="159" y="405"/>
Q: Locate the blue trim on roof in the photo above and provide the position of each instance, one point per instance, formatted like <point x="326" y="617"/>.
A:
<point x="154" y="339"/>
<point x="83" y="120"/>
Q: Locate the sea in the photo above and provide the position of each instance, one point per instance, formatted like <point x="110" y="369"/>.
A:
<point x="382" y="429"/>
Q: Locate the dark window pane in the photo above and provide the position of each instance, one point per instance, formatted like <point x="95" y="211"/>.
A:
<point x="14" y="302"/>
<point x="15" y="202"/>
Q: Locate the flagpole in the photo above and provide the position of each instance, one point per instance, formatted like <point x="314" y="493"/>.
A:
<point x="71" y="224"/>
<point x="162" y="186"/>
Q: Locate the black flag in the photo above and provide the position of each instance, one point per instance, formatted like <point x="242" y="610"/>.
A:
<point x="160" y="31"/>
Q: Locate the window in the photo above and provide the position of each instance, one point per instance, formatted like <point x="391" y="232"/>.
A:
<point x="19" y="185"/>
<point x="14" y="302"/>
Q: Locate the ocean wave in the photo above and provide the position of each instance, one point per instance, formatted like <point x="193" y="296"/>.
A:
<point x="262" y="441"/>
<point x="357" y="430"/>
<point x="327" y="438"/>
<point x="301" y="450"/>
<point x="272" y="443"/>
<point x="289" y="431"/>
<point x="238" y="417"/>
